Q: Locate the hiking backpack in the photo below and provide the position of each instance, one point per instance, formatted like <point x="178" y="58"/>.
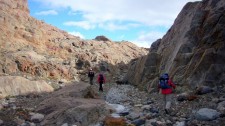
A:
<point x="101" y="78"/>
<point x="163" y="81"/>
<point x="91" y="74"/>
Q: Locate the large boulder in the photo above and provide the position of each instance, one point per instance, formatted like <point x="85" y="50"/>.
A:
<point x="76" y="103"/>
<point x="16" y="85"/>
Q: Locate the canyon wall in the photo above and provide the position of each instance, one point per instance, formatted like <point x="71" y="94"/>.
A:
<point x="192" y="51"/>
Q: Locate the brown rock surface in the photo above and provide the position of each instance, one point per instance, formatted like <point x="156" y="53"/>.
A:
<point x="111" y="121"/>
<point x="36" y="50"/>
<point x="74" y="104"/>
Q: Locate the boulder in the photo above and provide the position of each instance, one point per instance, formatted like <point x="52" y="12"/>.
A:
<point x="206" y="114"/>
<point x="76" y="103"/>
<point x="101" y="38"/>
<point x="16" y="85"/>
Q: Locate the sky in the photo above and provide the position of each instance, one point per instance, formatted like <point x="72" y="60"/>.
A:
<point x="138" y="21"/>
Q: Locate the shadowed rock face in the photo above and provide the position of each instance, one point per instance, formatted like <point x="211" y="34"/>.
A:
<point x="192" y="51"/>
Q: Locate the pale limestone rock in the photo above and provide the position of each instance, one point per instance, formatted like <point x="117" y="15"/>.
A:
<point x="15" y="85"/>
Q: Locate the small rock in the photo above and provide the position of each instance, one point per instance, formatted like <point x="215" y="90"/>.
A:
<point x="146" y="107"/>
<point x="65" y="124"/>
<point x="154" y="110"/>
<point x="138" y="105"/>
<point x="133" y="116"/>
<point x="12" y="100"/>
<point x="180" y="124"/>
<point x="124" y="113"/>
<point x="151" y="122"/>
<point x="204" y="90"/>
<point x="221" y="106"/>
<point x="206" y="114"/>
<point x="28" y="124"/>
<point x="111" y="121"/>
<point x="182" y="97"/>
<point x="1" y="122"/>
<point x="5" y="104"/>
<point x="36" y="118"/>
<point x="138" y="122"/>
<point x="149" y="102"/>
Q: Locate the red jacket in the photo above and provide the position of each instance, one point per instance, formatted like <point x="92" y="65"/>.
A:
<point x="168" y="90"/>
<point x="100" y="80"/>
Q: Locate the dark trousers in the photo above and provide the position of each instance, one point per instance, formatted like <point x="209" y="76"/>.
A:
<point x="100" y="86"/>
<point x="91" y="80"/>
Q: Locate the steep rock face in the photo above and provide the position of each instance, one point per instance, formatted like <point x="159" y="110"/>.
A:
<point x="193" y="50"/>
<point x="34" y="49"/>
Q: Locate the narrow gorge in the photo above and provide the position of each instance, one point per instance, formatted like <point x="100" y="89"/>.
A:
<point x="44" y="82"/>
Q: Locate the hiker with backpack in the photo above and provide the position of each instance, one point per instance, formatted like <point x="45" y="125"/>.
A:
<point x="166" y="87"/>
<point x="91" y="75"/>
<point x="101" y="80"/>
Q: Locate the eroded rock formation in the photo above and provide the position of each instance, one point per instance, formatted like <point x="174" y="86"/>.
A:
<point x="192" y="51"/>
<point x="36" y="50"/>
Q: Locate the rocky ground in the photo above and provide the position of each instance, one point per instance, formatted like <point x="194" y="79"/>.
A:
<point x="187" y="110"/>
<point x="142" y="109"/>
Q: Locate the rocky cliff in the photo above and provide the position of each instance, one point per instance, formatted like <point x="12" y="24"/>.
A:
<point x="37" y="58"/>
<point x="35" y="50"/>
<point x="192" y="51"/>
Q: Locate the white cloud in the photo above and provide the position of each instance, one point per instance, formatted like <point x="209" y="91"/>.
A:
<point x="48" y="12"/>
<point x="142" y="44"/>
<point x="77" y="34"/>
<point x="83" y="24"/>
<point x="112" y="26"/>
<point x="117" y="15"/>
<point x="146" y="39"/>
<point x="148" y="12"/>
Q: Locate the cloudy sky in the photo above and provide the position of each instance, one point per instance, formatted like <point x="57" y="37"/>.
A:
<point x="138" y="21"/>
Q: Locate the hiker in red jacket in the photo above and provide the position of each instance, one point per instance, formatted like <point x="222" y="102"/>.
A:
<point x="166" y="87"/>
<point x="101" y="80"/>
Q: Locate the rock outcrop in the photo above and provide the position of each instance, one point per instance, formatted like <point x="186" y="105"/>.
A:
<point x="16" y="85"/>
<point x="36" y="50"/>
<point x="101" y="38"/>
<point x="36" y="58"/>
<point x="76" y="104"/>
<point x="192" y="51"/>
